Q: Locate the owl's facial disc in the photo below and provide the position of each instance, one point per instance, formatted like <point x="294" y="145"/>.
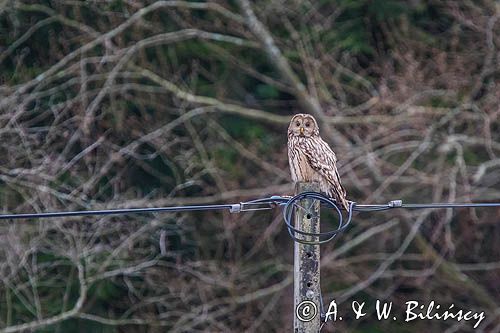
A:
<point x="308" y="126"/>
<point x="302" y="125"/>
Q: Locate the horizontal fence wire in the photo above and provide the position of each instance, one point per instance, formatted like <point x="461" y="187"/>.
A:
<point x="265" y="203"/>
<point x="289" y="204"/>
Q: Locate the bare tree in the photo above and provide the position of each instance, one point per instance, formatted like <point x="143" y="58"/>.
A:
<point x="139" y="103"/>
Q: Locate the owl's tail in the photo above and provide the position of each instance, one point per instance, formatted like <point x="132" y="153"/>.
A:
<point x="344" y="203"/>
<point x="339" y="198"/>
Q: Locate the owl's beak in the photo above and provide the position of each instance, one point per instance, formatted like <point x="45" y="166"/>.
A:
<point x="302" y="131"/>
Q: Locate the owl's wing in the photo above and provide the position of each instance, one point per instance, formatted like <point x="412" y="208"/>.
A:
<point x="322" y="159"/>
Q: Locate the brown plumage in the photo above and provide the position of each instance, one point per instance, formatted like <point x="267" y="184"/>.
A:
<point x="311" y="159"/>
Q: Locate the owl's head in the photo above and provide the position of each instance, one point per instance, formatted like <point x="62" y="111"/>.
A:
<point x="304" y="125"/>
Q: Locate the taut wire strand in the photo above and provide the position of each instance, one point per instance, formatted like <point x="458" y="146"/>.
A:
<point x="289" y="204"/>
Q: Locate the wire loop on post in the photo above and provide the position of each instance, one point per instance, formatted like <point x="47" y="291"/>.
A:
<point x="321" y="237"/>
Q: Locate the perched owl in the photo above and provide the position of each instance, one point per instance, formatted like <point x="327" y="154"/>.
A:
<point x="311" y="159"/>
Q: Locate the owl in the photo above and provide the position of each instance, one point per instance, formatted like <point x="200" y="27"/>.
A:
<point x="312" y="160"/>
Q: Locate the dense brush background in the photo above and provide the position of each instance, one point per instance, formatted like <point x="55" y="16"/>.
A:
<point x="108" y="104"/>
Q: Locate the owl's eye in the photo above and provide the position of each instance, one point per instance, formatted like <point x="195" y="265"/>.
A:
<point x="297" y="123"/>
<point x="308" y="124"/>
